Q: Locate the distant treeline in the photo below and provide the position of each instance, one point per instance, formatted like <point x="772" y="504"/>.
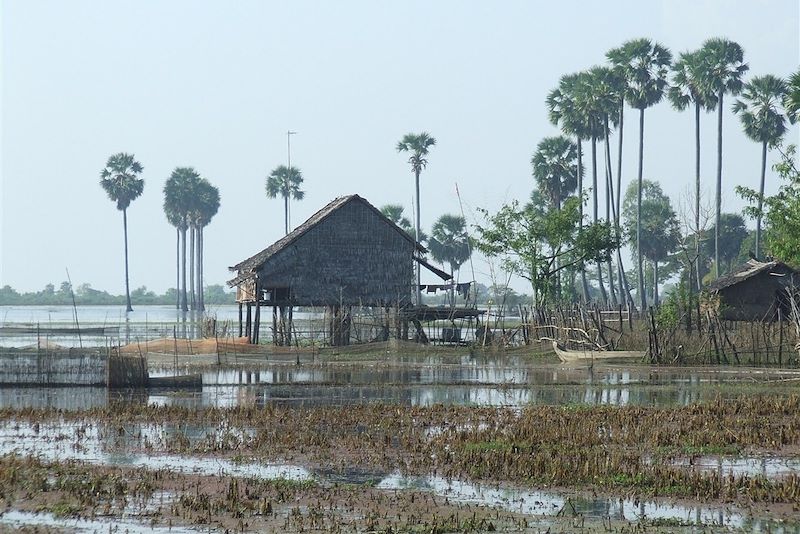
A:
<point x="86" y="295"/>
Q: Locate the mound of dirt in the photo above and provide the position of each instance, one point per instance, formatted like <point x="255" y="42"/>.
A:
<point x="189" y="346"/>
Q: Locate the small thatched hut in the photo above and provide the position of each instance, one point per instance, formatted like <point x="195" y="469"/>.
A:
<point x="347" y="254"/>
<point x="755" y="291"/>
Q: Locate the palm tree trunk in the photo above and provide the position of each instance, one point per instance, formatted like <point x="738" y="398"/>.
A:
<point x="584" y="283"/>
<point x="603" y="294"/>
<point x="127" y="283"/>
<point x="761" y="198"/>
<point x="622" y="281"/>
<point x="286" y="212"/>
<point x="199" y="268"/>
<point x="697" y="191"/>
<point x="192" y="231"/>
<point x="639" y="262"/>
<point x="182" y="289"/>
<point x="619" y="162"/>
<point x="718" y="199"/>
<point x="655" y="283"/>
<point x="609" y="208"/>
<point x="177" y="268"/>
<point x="416" y="237"/>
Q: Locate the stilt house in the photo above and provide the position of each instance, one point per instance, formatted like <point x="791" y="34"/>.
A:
<point x="755" y="291"/>
<point x="347" y="254"/>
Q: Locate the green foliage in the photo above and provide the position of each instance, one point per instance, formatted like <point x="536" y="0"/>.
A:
<point x="644" y="65"/>
<point x="687" y="83"/>
<point x="418" y="146"/>
<point x="555" y="168"/>
<point x="732" y="236"/>
<point x="791" y="100"/>
<point x="759" y="108"/>
<point x="536" y="243"/>
<point x="85" y="295"/>
<point x="120" y="179"/>
<point x="449" y="242"/>
<point x="660" y="229"/>
<point x="285" y="182"/>
<point x="781" y="211"/>
<point x="394" y="212"/>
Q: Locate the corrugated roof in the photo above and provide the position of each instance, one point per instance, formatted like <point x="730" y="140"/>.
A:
<point x="747" y="270"/>
<point x="247" y="267"/>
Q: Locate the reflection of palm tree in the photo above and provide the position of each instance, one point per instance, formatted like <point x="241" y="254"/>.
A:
<point x="418" y="146"/>
<point x="285" y="182"/>
<point x="764" y="122"/>
<point x="119" y="179"/>
<point x="688" y="88"/>
<point x="723" y="67"/>
<point x="645" y="66"/>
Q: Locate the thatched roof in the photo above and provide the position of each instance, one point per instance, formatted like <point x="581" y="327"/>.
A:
<point x="247" y="268"/>
<point x="747" y="270"/>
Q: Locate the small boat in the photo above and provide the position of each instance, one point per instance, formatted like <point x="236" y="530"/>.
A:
<point x="573" y="356"/>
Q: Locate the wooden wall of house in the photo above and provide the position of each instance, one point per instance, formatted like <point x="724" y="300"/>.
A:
<point x="753" y="299"/>
<point x="352" y="255"/>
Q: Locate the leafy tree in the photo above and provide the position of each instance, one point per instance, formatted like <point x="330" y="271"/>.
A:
<point x="656" y="235"/>
<point x="722" y="69"/>
<point x="206" y="206"/>
<point x="645" y="66"/>
<point x="449" y="243"/>
<point x="536" y="244"/>
<point x="418" y="146"/>
<point x="285" y="182"/>
<point x="732" y="235"/>
<point x="688" y="89"/>
<point x="555" y="168"/>
<point x="763" y="121"/>
<point x="782" y="210"/>
<point x="120" y="180"/>
<point x="792" y="99"/>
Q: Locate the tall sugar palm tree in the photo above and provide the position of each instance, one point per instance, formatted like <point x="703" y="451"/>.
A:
<point x="120" y="180"/>
<point x="176" y="219"/>
<point x="394" y="212"/>
<point x="285" y="182"/>
<point x="418" y="146"/>
<point x="449" y="243"/>
<point x="722" y="69"/>
<point x="207" y="202"/>
<point x="179" y="196"/>
<point x="555" y="168"/>
<point x="792" y="100"/>
<point x="763" y="120"/>
<point x="564" y="110"/>
<point x="688" y="89"/>
<point x="645" y="66"/>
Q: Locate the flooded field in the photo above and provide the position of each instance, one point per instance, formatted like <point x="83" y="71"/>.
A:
<point x="452" y="441"/>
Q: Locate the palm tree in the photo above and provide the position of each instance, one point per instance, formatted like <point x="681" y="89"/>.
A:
<point x="285" y="181"/>
<point x="176" y="219"/>
<point x="418" y="146"/>
<point x="563" y="110"/>
<point x="763" y="121"/>
<point x="688" y="88"/>
<point x="555" y="168"/>
<point x="792" y="100"/>
<point x="722" y="69"/>
<point x="645" y="66"/>
<point x="394" y="212"/>
<point x="179" y="194"/>
<point x="207" y="202"/>
<point x="449" y="242"/>
<point x="120" y="180"/>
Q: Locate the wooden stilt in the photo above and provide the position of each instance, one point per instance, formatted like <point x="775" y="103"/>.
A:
<point x="249" y="324"/>
<point x="240" y="319"/>
<point x="257" y="325"/>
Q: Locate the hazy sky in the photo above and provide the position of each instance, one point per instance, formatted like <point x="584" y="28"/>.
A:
<point x="216" y="85"/>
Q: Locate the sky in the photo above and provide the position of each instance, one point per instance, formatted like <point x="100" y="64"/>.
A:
<point x="216" y="85"/>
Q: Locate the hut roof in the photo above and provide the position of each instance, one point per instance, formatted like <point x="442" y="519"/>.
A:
<point x="246" y="267"/>
<point x="747" y="270"/>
